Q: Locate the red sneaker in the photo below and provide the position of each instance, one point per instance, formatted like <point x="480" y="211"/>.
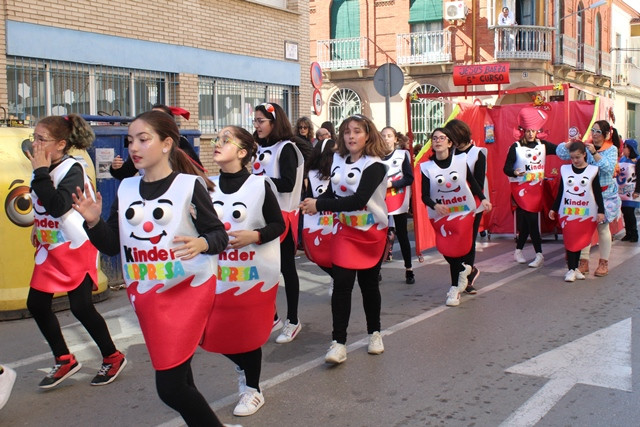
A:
<point x="66" y="366"/>
<point x="111" y="368"/>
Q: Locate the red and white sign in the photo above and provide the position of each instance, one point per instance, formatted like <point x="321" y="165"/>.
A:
<point x="317" y="102"/>
<point x="485" y="74"/>
<point x="316" y="75"/>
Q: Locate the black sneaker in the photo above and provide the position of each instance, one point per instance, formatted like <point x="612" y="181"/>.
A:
<point x="470" y="280"/>
<point x="110" y="369"/>
<point x="410" y="278"/>
<point x="65" y="366"/>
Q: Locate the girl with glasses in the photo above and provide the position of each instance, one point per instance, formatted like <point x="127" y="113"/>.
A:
<point x="249" y="269"/>
<point x="602" y="152"/>
<point x="449" y="191"/>
<point x="355" y="195"/>
<point x="279" y="159"/>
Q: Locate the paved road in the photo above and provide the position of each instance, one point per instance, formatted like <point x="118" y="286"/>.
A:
<point x="527" y="349"/>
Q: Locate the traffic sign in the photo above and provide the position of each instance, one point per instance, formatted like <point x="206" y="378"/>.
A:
<point x="317" y="102"/>
<point x="316" y="75"/>
<point x="388" y="80"/>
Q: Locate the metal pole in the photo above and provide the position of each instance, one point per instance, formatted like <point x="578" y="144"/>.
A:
<point x="387" y="95"/>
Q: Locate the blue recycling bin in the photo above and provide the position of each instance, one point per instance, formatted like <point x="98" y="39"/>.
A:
<point x="110" y="142"/>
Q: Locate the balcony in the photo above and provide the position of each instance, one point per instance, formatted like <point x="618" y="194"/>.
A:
<point x="342" y="54"/>
<point x="523" y="42"/>
<point x="627" y="74"/>
<point x="429" y="47"/>
<point x="586" y="58"/>
<point x="604" y="64"/>
<point x="567" y="52"/>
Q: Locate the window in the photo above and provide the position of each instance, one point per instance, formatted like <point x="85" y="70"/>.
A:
<point x="425" y="11"/>
<point x="426" y="114"/>
<point x="342" y="104"/>
<point x="345" y="24"/>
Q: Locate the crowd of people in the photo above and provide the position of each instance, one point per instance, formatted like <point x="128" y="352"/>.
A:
<point x="227" y="241"/>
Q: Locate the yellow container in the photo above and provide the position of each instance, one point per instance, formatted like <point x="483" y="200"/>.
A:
<point x="16" y="222"/>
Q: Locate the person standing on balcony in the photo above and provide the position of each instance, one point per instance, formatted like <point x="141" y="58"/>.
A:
<point x="506" y="18"/>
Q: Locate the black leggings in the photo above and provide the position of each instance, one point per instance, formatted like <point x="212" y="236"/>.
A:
<point x="290" y="276"/>
<point x="630" y="224"/>
<point x="177" y="390"/>
<point x="573" y="259"/>
<point x="527" y="225"/>
<point x="343" y="281"/>
<point x="476" y="227"/>
<point x="251" y="363"/>
<point x="455" y="265"/>
<point x="400" y="222"/>
<point x="39" y="305"/>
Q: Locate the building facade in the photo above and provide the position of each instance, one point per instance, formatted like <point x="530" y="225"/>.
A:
<point x="560" y="41"/>
<point x="216" y="59"/>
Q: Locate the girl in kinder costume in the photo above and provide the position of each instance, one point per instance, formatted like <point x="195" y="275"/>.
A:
<point x="318" y="227"/>
<point x="602" y="152"/>
<point x="65" y="259"/>
<point x="629" y="188"/>
<point x="165" y="228"/>
<point x="525" y="168"/>
<point x="249" y="269"/>
<point x="279" y="159"/>
<point x="356" y="195"/>
<point x="579" y="206"/>
<point x="460" y="134"/>
<point x="398" y="198"/>
<point x="448" y="190"/>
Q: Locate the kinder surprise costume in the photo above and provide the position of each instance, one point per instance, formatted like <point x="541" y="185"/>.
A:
<point x="171" y="297"/>
<point x="578" y="208"/>
<point x="317" y="228"/>
<point x="242" y="314"/>
<point x="267" y="163"/>
<point x="397" y="199"/>
<point x="449" y="187"/>
<point x="64" y="254"/>
<point x="359" y="236"/>
<point x="527" y="189"/>
<point x="627" y="177"/>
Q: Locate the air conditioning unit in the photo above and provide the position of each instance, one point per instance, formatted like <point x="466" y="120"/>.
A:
<point x="455" y="10"/>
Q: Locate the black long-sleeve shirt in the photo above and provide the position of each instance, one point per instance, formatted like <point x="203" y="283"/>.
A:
<point x="480" y="168"/>
<point x="371" y="177"/>
<point x="288" y="162"/>
<point x="231" y="182"/>
<point x="476" y="190"/>
<point x="595" y="187"/>
<point x="106" y="238"/>
<point x="407" y="173"/>
<point x="57" y="200"/>
<point x="550" y="149"/>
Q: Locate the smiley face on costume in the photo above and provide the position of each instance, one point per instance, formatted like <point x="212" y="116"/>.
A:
<point x="162" y="214"/>
<point x="231" y="215"/>
<point x="262" y="162"/>
<point x="321" y="188"/>
<point x="341" y="180"/>
<point x="533" y="155"/>
<point x="577" y="187"/>
<point x="448" y="184"/>
<point x="627" y="174"/>
<point x="18" y="204"/>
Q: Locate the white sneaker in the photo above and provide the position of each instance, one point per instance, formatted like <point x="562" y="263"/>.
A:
<point x="250" y="401"/>
<point x="337" y="353"/>
<point x="277" y="324"/>
<point x="538" y="261"/>
<point x="242" y="380"/>
<point x="7" y="378"/>
<point x="579" y="274"/>
<point x="375" y="343"/>
<point x="463" y="277"/>
<point x="570" y="276"/>
<point x="519" y="257"/>
<point x="289" y="332"/>
<point x="453" y="297"/>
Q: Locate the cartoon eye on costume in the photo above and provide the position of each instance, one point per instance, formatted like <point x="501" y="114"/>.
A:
<point x="336" y="175"/>
<point x="454" y="176"/>
<point x="163" y="214"/>
<point x="239" y="213"/>
<point x="584" y="182"/>
<point x="570" y="180"/>
<point x="353" y="176"/>
<point x="19" y="206"/>
<point x="440" y="179"/>
<point x="395" y="162"/>
<point x="218" y="206"/>
<point x="265" y="157"/>
<point x="135" y="213"/>
<point x="320" y="189"/>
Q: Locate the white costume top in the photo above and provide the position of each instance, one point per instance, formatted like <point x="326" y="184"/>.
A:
<point x="397" y="199"/>
<point x="267" y="163"/>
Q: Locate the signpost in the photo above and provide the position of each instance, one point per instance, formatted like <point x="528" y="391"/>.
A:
<point x="317" y="102"/>
<point x="388" y="80"/>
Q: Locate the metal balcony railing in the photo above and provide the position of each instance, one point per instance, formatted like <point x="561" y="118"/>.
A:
<point x="567" y="51"/>
<point x="604" y="64"/>
<point x="627" y="74"/>
<point x="586" y="58"/>
<point x="424" y="47"/>
<point x="523" y="42"/>
<point x="337" y="54"/>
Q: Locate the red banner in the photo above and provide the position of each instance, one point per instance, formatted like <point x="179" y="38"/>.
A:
<point x="484" y="74"/>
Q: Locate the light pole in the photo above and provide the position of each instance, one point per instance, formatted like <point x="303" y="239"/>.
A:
<point x="557" y="17"/>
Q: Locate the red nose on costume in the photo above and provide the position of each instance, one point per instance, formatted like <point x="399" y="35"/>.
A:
<point x="343" y="188"/>
<point x="448" y="185"/>
<point x="147" y="226"/>
<point x="256" y="165"/>
<point x="535" y="158"/>
<point x="575" y="188"/>
<point x="227" y="226"/>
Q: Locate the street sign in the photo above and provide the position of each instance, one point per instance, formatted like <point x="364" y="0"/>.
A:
<point x="316" y="75"/>
<point x="388" y="80"/>
<point x="317" y="102"/>
<point x="484" y="74"/>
